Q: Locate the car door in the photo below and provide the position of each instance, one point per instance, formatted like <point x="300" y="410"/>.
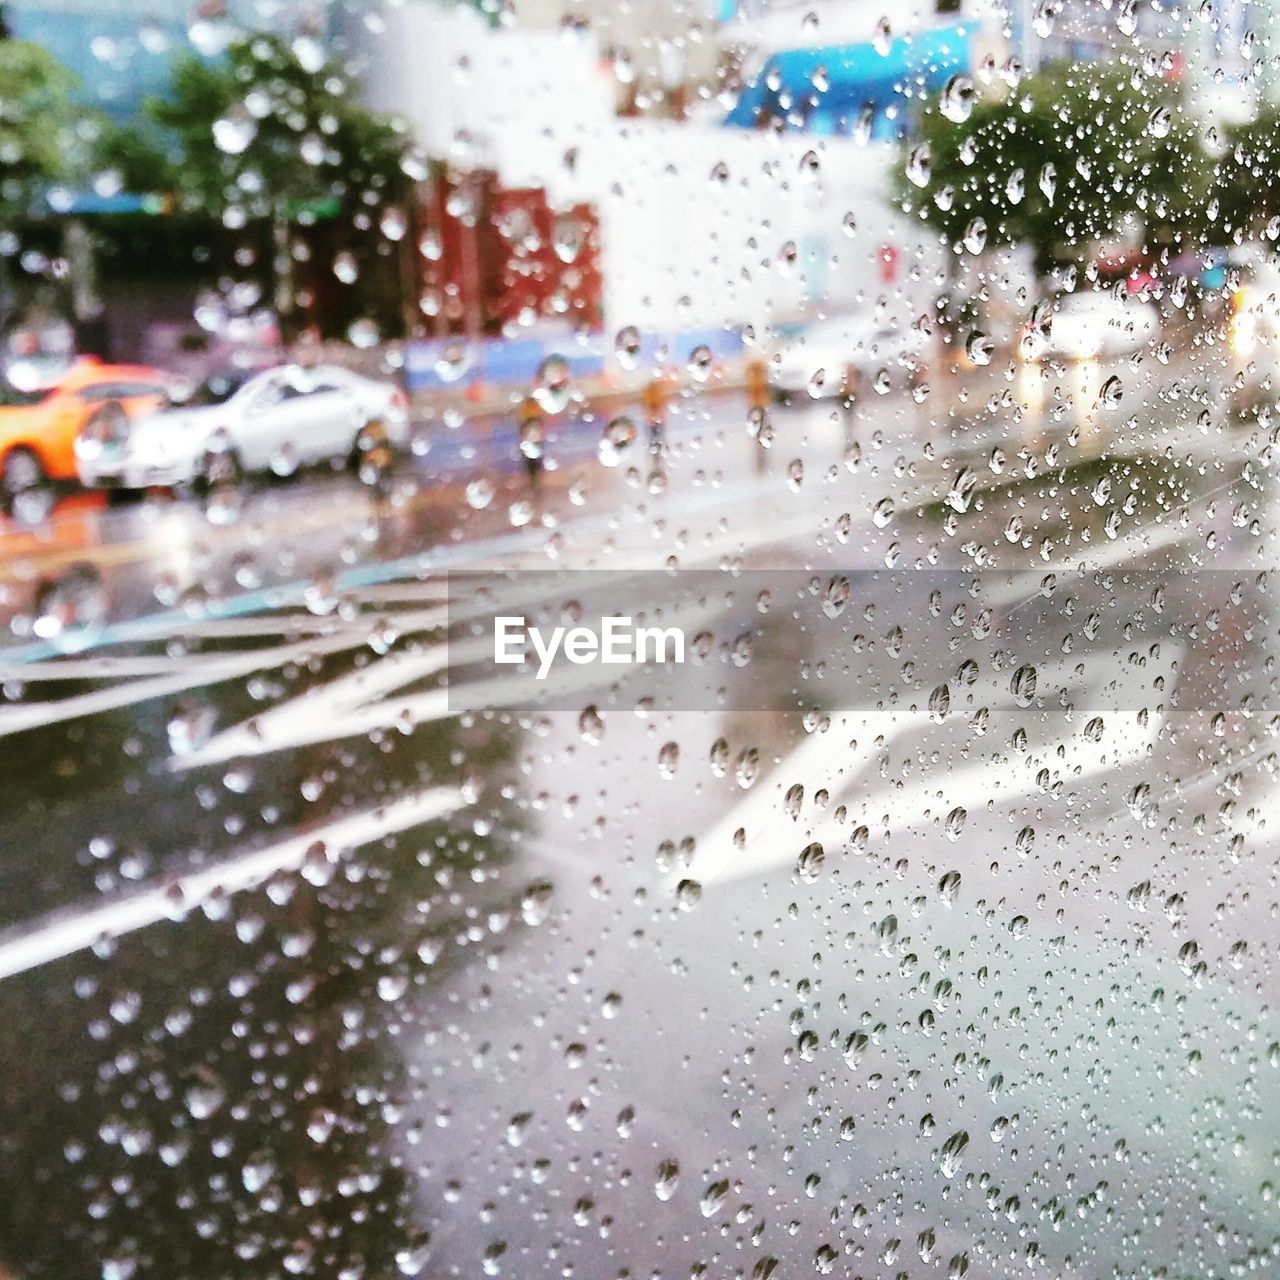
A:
<point x="258" y="421"/>
<point x="330" y="414"/>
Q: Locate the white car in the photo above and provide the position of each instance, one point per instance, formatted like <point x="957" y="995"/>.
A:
<point x="276" y="420"/>
<point x="1086" y="326"/>
<point x="815" y="361"/>
<point x="1254" y="332"/>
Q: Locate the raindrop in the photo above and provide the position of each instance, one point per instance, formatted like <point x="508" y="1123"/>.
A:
<point x="882" y="38"/>
<point x="956" y="101"/>
<point x="713" y="1198"/>
<point x="975" y="236"/>
<point x="836" y="597"/>
<point x="190" y="727"/>
<point x="980" y="348"/>
<point x="616" y="441"/>
<point x="951" y="1156"/>
<point x="919" y="164"/>
<point x="954" y="823"/>
<point x="205" y="1097"/>
<point x="626" y="346"/>
<point x="940" y="704"/>
<point x="71" y="610"/>
<point x="591" y="725"/>
<point x="792" y="801"/>
<point x="666" y="1179"/>
<point x="233" y="133"/>
<point x="809" y="864"/>
<point x="1023" y="685"/>
<point x="345" y="267"/>
<point x="1111" y="393"/>
<point x="1048" y="181"/>
<point x="393" y="223"/>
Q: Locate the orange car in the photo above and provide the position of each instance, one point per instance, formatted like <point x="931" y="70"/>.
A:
<point x="38" y="429"/>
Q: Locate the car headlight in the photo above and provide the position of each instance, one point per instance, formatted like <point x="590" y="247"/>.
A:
<point x="1243" y="336"/>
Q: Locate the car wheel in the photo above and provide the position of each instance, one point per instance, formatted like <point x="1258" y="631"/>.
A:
<point x="218" y="466"/>
<point x="22" y="471"/>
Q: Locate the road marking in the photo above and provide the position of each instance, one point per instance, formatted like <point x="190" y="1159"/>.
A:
<point x="64" y="933"/>
<point x="826" y="762"/>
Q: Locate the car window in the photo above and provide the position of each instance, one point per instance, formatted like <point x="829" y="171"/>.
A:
<point x="695" y="692"/>
<point x="11" y="396"/>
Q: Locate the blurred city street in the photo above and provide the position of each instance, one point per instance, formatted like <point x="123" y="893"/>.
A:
<point x="639" y="642"/>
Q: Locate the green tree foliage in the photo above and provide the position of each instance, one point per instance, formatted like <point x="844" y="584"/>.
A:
<point x="43" y="130"/>
<point x="1245" y="175"/>
<point x="259" y="131"/>
<point x="1068" y="156"/>
<point x="273" y="134"/>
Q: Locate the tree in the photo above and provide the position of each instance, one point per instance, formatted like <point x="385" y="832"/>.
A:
<point x="1244" y="177"/>
<point x="1070" y="155"/>
<point x="270" y="134"/>
<point x="43" y="130"/>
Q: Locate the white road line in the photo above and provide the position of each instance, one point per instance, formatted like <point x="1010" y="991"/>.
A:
<point x="64" y="933"/>
<point x="827" y="762"/>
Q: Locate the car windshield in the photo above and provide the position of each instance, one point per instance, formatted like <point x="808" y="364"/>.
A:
<point x="11" y="396"/>
<point x="706" y="706"/>
<point x="218" y="388"/>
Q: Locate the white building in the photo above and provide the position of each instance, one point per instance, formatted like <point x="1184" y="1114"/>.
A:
<point x="701" y="225"/>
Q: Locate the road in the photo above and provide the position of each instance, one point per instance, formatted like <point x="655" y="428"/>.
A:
<point x="313" y="963"/>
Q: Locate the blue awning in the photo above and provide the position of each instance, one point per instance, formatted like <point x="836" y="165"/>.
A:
<point x="853" y="77"/>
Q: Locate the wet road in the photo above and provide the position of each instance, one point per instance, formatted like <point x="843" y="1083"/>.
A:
<point x="309" y="970"/>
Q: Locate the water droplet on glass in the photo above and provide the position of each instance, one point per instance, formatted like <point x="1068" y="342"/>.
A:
<point x="479" y="493"/>
<point x="345" y="267"/>
<point x="688" y="894"/>
<point x="810" y="862"/>
<point x="949" y="888"/>
<point x="591" y="725"/>
<point x="233" y="133"/>
<point x="626" y="346"/>
<point x="980" y="348"/>
<point x="71" y="610"/>
<point x="205" y="1097"/>
<point x="1023" y="685"/>
<point x="957" y="98"/>
<point x="919" y="164"/>
<point x="190" y="727"/>
<point x="667" y="1179"/>
<point x="951" y="1156"/>
<point x="975" y="236"/>
<point x="616" y="441"/>
<point x="393" y="223"/>
<point x="940" y="704"/>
